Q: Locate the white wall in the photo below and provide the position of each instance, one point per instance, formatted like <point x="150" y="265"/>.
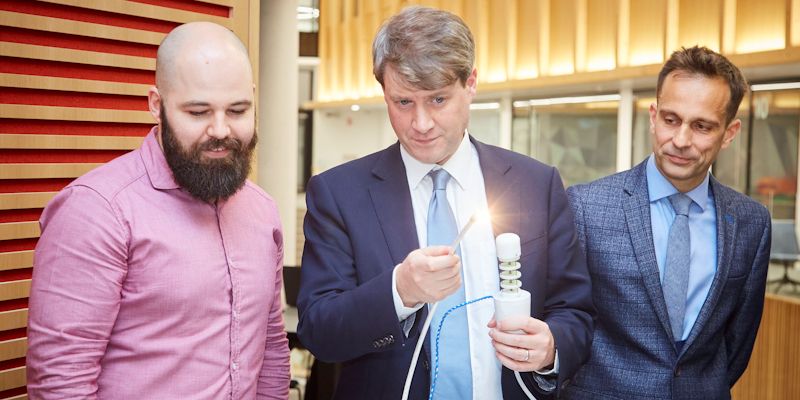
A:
<point x="344" y="135"/>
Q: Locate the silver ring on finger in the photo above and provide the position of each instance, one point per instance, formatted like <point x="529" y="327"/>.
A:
<point x="527" y="355"/>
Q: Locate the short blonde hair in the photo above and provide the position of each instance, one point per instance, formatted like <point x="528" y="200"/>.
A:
<point x="429" y="48"/>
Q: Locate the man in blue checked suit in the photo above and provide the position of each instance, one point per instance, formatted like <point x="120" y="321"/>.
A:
<point x="378" y="231"/>
<point x="678" y="260"/>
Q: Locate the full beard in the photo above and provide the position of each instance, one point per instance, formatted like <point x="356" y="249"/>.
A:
<point x="207" y="179"/>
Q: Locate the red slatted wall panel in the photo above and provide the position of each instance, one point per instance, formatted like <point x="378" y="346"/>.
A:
<point x="80" y="69"/>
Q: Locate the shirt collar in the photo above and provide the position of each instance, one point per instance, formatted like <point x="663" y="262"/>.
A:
<point x="457" y="166"/>
<point x="156" y="164"/>
<point x="659" y="187"/>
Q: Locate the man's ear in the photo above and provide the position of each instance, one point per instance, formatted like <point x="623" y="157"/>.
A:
<point x="472" y="82"/>
<point x="154" y="103"/>
<point x="730" y="132"/>
<point x="653" y="111"/>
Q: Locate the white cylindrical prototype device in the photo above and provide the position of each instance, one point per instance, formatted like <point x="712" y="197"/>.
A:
<point x="511" y="300"/>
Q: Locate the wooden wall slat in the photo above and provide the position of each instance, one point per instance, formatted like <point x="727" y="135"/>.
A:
<point x="16" y="260"/>
<point x="45" y="171"/>
<point x="13" y="348"/>
<point x="228" y="3"/>
<point x="15" y="289"/>
<point x="72" y="85"/>
<point x="773" y="371"/>
<point x="144" y="10"/>
<point x="618" y="35"/>
<point x="57" y="25"/>
<point x="12" y="378"/>
<point x="76" y="56"/>
<point x="74" y="114"/>
<point x="18" y="230"/>
<point x="71" y="142"/>
<point x="13" y="201"/>
<point x="13" y="319"/>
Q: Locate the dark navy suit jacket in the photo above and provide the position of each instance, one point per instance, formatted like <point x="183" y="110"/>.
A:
<point x="633" y="353"/>
<point x="360" y="225"/>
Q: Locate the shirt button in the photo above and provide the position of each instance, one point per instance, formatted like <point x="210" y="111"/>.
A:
<point x="234" y="366"/>
<point x="235" y="315"/>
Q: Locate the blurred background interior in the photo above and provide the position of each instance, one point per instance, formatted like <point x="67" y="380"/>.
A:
<point x="568" y="82"/>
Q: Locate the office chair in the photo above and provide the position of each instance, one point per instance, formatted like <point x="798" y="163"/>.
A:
<point x="784" y="251"/>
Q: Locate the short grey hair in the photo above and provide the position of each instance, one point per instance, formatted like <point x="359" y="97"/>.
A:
<point x="429" y="48"/>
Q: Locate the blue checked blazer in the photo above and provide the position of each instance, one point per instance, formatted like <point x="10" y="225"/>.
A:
<point x="633" y="353"/>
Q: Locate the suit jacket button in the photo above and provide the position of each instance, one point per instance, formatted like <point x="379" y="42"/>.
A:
<point x="678" y="371"/>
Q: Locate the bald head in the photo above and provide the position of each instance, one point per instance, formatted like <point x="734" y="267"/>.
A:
<point x="190" y="47"/>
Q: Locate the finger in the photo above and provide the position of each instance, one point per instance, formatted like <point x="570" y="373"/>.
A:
<point x="514" y="353"/>
<point x="436" y="250"/>
<point x="447" y="275"/>
<point x="514" y="365"/>
<point x="527" y="324"/>
<point x="450" y="289"/>
<point x="443" y="262"/>
<point x="526" y="341"/>
<point x="492" y="323"/>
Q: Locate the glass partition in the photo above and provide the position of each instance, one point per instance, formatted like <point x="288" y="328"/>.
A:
<point x="773" y="152"/>
<point x="484" y="122"/>
<point x="579" y="138"/>
<point x="642" y="140"/>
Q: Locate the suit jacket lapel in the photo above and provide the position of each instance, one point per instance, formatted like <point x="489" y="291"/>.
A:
<point x="504" y="203"/>
<point x="391" y="200"/>
<point x="637" y="216"/>
<point x="726" y="236"/>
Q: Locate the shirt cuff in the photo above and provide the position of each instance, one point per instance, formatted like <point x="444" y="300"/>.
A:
<point x="400" y="309"/>
<point x="552" y="371"/>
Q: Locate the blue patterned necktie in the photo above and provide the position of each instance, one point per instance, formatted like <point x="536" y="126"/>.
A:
<point x="455" y="372"/>
<point x="676" y="271"/>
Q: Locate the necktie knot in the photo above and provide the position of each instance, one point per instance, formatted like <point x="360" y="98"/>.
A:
<point x="680" y="203"/>
<point x="440" y="178"/>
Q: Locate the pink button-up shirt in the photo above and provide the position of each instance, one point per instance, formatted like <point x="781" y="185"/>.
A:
<point x="140" y="291"/>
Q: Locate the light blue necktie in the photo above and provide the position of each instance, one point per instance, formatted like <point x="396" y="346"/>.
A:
<point x="676" y="272"/>
<point x="455" y="372"/>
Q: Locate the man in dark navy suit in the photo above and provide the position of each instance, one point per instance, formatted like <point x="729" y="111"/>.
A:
<point x="369" y="267"/>
<point x="678" y="260"/>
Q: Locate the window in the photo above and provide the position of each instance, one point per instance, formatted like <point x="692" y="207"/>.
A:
<point x="576" y="135"/>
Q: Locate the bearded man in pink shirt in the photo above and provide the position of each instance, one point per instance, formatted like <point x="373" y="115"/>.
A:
<point x="158" y="275"/>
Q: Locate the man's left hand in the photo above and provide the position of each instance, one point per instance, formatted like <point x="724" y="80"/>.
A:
<point x="532" y="350"/>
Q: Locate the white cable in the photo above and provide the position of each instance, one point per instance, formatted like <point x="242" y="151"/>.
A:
<point x="522" y="385"/>
<point x="422" y="335"/>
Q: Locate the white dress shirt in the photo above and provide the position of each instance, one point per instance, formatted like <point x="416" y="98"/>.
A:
<point x="466" y="194"/>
